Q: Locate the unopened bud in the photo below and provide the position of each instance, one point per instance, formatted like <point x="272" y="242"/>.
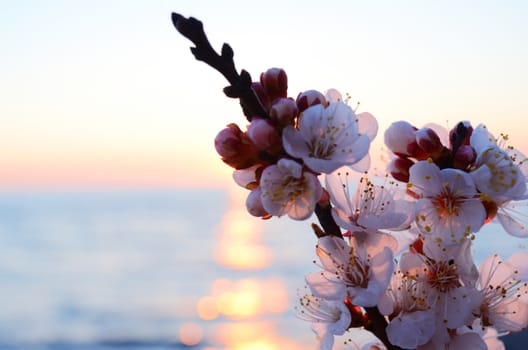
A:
<point x="263" y="134"/>
<point x="235" y="147"/>
<point x="284" y="111"/>
<point x="429" y="141"/>
<point x="275" y="83"/>
<point x="460" y="135"/>
<point x="399" y="168"/>
<point x="261" y="94"/>
<point x="399" y="136"/>
<point x="464" y="157"/>
<point x="310" y="98"/>
<point x="254" y="203"/>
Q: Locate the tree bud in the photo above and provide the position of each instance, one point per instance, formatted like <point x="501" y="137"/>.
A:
<point x="235" y="147"/>
<point x="429" y="141"/>
<point x="460" y="135"/>
<point x="262" y="95"/>
<point x="400" y="138"/>
<point x="464" y="157"/>
<point x="309" y="98"/>
<point x="284" y="111"/>
<point x="275" y="83"/>
<point x="263" y="134"/>
<point x="399" y="168"/>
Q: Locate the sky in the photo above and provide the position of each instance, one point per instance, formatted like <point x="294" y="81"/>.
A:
<point x="105" y="94"/>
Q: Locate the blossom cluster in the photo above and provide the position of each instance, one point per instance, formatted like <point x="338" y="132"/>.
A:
<point x="279" y="155"/>
<point x="404" y="261"/>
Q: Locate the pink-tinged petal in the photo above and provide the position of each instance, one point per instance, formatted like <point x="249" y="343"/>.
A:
<point x="441" y="131"/>
<point x="425" y="178"/>
<point x="382" y="267"/>
<point x="386" y="304"/>
<point x="332" y="251"/>
<point x="457" y="307"/>
<point x="510" y="317"/>
<point x="337" y="185"/>
<point x="372" y="243"/>
<point x="411" y="263"/>
<point x="481" y="138"/>
<point x="309" y="121"/>
<point x="246" y="177"/>
<point x="410" y="330"/>
<point x="427" y="218"/>
<point x="325" y="166"/>
<point x="303" y="206"/>
<point x="323" y="285"/>
<point x="481" y="177"/>
<point x="518" y="262"/>
<point x="290" y="167"/>
<point x="367" y="125"/>
<point x="513" y="226"/>
<point x="352" y="151"/>
<point x="333" y="95"/>
<point x="398" y="136"/>
<point x="468" y="341"/>
<point x="363" y="165"/>
<point x="294" y="143"/>
<point x="459" y="180"/>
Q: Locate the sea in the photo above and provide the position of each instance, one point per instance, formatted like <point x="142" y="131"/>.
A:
<point x="159" y="269"/>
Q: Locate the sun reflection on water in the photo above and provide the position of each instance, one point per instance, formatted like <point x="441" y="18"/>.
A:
<point x="242" y="314"/>
<point x="239" y="245"/>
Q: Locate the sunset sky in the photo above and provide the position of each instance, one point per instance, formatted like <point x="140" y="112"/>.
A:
<point x="106" y="93"/>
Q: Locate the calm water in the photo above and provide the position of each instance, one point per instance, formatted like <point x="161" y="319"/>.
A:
<point x="154" y="270"/>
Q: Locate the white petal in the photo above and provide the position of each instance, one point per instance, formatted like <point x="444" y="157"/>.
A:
<point x="367" y="124"/>
<point x="294" y="143"/>
<point x="322" y="286"/>
<point x="425" y="178"/>
<point x="411" y="329"/>
<point x="512" y="225"/>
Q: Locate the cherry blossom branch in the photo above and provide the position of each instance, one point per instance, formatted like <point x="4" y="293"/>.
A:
<point x="324" y="215"/>
<point x="240" y="87"/>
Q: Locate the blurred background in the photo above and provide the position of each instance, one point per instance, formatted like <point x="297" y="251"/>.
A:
<point x="119" y="225"/>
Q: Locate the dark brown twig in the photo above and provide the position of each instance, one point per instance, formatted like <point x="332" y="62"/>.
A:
<point x="240" y="87"/>
<point x="324" y="215"/>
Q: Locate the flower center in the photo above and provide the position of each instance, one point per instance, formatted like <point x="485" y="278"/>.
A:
<point x="355" y="273"/>
<point x="442" y="276"/>
<point x="447" y="203"/>
<point x="321" y="148"/>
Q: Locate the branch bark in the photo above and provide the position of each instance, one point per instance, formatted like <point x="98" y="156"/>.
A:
<point x="240" y="87"/>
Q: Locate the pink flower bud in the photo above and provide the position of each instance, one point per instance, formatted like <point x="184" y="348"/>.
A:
<point x="235" y="147"/>
<point x="254" y="203"/>
<point x="429" y="141"/>
<point x="284" y="111"/>
<point x="400" y="138"/>
<point x="275" y="83"/>
<point x="464" y="157"/>
<point x="310" y="98"/>
<point x="399" y="168"/>
<point x="460" y="135"/>
<point x="261" y="94"/>
<point x="263" y="134"/>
